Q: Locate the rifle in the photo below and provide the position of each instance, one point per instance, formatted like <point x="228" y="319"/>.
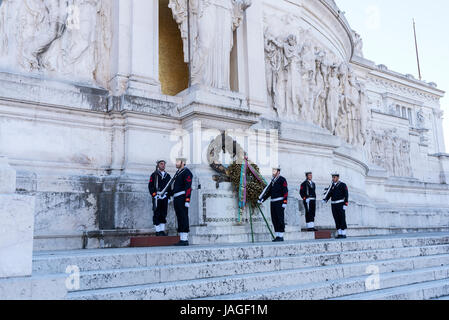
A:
<point x="163" y="194"/>
<point x="262" y="195"/>
<point x="327" y="190"/>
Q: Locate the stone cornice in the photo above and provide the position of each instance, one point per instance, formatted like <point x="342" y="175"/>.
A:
<point x="398" y="81"/>
<point x="332" y="6"/>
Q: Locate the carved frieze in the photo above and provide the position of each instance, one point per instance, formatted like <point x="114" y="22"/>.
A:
<point x="391" y="152"/>
<point x="306" y="81"/>
<point x="64" y="38"/>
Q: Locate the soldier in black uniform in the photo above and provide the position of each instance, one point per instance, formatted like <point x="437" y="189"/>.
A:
<point x="278" y="191"/>
<point x="339" y="196"/>
<point x="308" y="195"/>
<point x="158" y="181"/>
<point x="181" y="190"/>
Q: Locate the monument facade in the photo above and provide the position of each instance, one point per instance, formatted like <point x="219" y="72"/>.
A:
<point x="93" y="93"/>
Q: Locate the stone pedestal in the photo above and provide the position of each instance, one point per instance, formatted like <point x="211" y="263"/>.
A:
<point x="16" y="227"/>
<point x="215" y="219"/>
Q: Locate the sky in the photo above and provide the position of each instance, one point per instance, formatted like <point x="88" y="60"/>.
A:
<point x="386" y="27"/>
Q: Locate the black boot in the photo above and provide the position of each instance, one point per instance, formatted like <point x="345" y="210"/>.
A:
<point x="312" y="230"/>
<point x="278" y="239"/>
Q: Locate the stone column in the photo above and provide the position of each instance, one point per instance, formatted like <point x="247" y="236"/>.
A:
<point x="136" y="48"/>
<point x="16" y="226"/>
<point x="121" y="43"/>
<point x="254" y="37"/>
<point x="144" y="77"/>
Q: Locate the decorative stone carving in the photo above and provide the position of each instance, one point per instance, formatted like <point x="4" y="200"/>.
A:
<point x="307" y="82"/>
<point x="420" y="119"/>
<point x="58" y="37"/>
<point x="391" y="152"/>
<point x="396" y="88"/>
<point x="210" y="53"/>
<point x="358" y="44"/>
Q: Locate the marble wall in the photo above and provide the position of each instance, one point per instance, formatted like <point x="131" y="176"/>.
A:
<point x="83" y="117"/>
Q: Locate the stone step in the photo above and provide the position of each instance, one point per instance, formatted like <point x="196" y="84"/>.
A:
<point x="431" y="290"/>
<point x="147" y="275"/>
<point x="240" y="286"/>
<point x="89" y="260"/>
<point x="242" y="234"/>
<point x="344" y="286"/>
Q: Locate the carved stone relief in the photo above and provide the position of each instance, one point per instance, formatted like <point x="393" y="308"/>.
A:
<point x="391" y="152"/>
<point x="64" y="38"/>
<point x="306" y="81"/>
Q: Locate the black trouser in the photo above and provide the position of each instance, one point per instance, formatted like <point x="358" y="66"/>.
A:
<point x="160" y="214"/>
<point x="182" y="214"/>
<point x="310" y="211"/>
<point x="277" y="216"/>
<point x="339" y="216"/>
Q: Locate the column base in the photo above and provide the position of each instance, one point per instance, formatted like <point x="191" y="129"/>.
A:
<point x="143" y="87"/>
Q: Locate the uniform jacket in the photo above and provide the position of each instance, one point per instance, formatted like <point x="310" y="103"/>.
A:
<point x="338" y="191"/>
<point x="183" y="182"/>
<point x="158" y="183"/>
<point x="278" y="189"/>
<point x="307" y="190"/>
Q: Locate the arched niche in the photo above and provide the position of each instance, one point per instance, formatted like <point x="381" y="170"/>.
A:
<point x="173" y="71"/>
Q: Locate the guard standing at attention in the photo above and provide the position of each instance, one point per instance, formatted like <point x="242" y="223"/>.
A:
<point x="339" y="195"/>
<point x="308" y="195"/>
<point x="181" y="190"/>
<point x="278" y="191"/>
<point x="158" y="183"/>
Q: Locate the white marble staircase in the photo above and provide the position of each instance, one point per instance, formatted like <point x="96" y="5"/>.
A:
<point x="414" y="266"/>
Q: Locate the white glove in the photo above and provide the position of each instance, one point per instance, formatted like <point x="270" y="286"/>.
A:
<point x="345" y="208"/>
<point x="187" y="205"/>
<point x="259" y="201"/>
<point x="323" y="202"/>
<point x="284" y="206"/>
<point x="170" y="200"/>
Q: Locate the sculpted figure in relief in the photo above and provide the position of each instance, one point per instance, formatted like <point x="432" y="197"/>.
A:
<point x="313" y="85"/>
<point x="212" y="23"/>
<point x="308" y="78"/>
<point x="391" y="152"/>
<point x="273" y="70"/>
<point x="319" y="90"/>
<point x="294" y="80"/>
<point x="69" y="38"/>
<point x="333" y="100"/>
